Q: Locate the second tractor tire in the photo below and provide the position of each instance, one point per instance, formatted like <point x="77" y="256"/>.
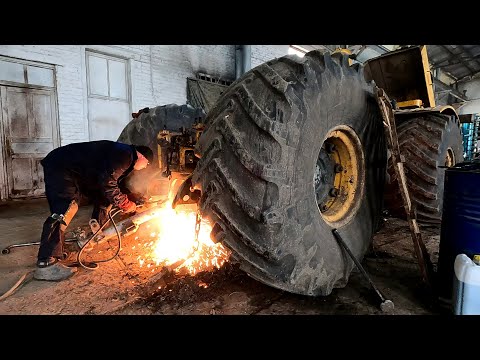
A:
<point x="429" y="142"/>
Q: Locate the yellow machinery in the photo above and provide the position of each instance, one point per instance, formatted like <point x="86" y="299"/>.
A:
<point x="429" y="135"/>
<point x="296" y="148"/>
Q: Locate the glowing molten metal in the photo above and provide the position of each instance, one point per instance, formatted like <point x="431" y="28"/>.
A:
<point x="173" y="235"/>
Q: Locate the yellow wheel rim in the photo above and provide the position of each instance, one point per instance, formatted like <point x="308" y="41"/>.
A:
<point x="339" y="176"/>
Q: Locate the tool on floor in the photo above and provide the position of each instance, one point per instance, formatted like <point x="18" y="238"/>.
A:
<point x="128" y="226"/>
<point x="385" y="304"/>
<point x="146" y="212"/>
<point x="7" y="249"/>
<point x="81" y="241"/>
<point x="20" y="282"/>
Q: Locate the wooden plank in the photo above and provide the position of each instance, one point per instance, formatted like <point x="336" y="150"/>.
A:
<point x="3" y="162"/>
<point x="404" y="190"/>
<point x="421" y="253"/>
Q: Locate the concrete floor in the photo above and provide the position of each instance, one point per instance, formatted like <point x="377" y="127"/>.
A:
<point x="113" y="288"/>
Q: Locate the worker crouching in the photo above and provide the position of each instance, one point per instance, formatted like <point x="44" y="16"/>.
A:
<point x="88" y="170"/>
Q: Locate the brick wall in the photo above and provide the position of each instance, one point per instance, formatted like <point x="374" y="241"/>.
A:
<point x="264" y="53"/>
<point x="157" y="73"/>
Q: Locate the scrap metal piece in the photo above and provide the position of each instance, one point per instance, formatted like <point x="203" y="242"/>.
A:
<point x="186" y="194"/>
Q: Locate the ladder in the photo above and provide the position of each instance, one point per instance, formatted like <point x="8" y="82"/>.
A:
<point x="397" y="159"/>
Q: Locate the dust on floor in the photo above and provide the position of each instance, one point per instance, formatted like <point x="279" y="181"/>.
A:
<point x="124" y="287"/>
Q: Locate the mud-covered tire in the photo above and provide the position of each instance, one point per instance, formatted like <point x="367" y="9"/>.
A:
<point x="426" y="141"/>
<point x="259" y="154"/>
<point x="143" y="130"/>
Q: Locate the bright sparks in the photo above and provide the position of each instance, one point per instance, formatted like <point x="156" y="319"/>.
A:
<point x="173" y="242"/>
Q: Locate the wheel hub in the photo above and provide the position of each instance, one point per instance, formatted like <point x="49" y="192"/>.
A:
<point x="339" y="175"/>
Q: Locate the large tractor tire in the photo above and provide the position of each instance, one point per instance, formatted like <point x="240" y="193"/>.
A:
<point x="292" y="150"/>
<point x="429" y="142"/>
<point x="143" y="130"/>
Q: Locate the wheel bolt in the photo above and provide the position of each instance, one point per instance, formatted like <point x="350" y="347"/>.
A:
<point x="329" y="147"/>
<point x="333" y="192"/>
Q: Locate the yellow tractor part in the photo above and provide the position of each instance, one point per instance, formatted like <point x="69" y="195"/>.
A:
<point x="405" y="76"/>
<point x="347" y="52"/>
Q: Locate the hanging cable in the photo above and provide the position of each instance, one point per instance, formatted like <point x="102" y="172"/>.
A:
<point x="119" y="236"/>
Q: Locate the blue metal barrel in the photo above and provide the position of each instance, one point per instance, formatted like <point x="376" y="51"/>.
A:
<point x="460" y="227"/>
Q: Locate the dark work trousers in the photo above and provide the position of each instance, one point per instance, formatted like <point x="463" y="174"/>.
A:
<point x="60" y="189"/>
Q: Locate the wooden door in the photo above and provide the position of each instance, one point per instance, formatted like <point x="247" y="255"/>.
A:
<point x="29" y="127"/>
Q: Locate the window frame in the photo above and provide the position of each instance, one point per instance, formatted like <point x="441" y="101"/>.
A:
<point x="89" y="52"/>
<point x="25" y="64"/>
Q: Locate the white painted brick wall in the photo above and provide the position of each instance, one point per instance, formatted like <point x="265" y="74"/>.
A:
<point x="264" y="53"/>
<point x="172" y="64"/>
<point x="157" y="73"/>
<point x="472" y="87"/>
<point x="69" y="83"/>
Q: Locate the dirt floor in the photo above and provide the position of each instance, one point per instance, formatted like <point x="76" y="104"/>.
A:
<point x="123" y="286"/>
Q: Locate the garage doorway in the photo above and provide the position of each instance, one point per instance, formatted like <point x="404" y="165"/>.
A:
<point x="28" y="126"/>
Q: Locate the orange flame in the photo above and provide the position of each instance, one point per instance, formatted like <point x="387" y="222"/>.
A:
<point x="173" y="234"/>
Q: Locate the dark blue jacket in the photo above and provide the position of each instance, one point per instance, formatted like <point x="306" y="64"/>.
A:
<point x="95" y="166"/>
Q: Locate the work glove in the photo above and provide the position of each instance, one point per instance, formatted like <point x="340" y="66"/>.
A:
<point x="139" y="199"/>
<point x="130" y="208"/>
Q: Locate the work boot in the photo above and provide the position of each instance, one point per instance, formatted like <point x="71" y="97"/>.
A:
<point x="52" y="270"/>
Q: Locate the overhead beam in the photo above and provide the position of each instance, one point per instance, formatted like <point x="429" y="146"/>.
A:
<point x="467" y="65"/>
<point x="472" y="58"/>
<point x="440" y="64"/>
<point x="452" y="91"/>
